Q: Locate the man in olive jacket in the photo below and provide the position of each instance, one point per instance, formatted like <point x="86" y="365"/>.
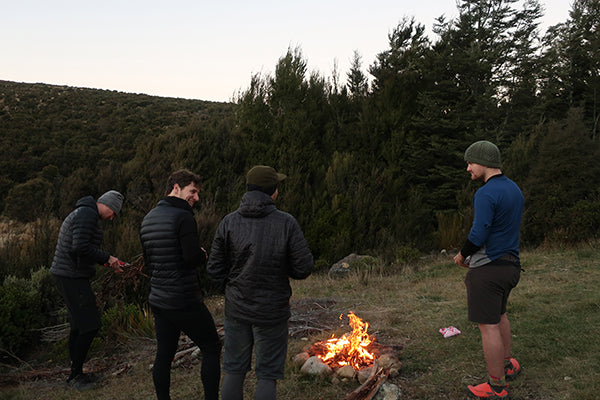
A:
<point x="76" y="257"/>
<point x="255" y="251"/>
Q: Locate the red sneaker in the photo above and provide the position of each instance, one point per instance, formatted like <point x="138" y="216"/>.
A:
<point x="485" y="391"/>
<point x="511" y="372"/>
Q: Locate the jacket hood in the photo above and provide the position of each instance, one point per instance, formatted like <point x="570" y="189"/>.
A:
<point x="256" y="204"/>
<point x="87" y="201"/>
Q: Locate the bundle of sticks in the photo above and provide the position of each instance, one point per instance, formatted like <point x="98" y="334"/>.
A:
<point x="112" y="284"/>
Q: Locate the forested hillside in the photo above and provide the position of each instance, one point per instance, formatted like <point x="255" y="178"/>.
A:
<point x="374" y="158"/>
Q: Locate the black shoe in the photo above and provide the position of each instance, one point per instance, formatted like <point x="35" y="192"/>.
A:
<point x="81" y="382"/>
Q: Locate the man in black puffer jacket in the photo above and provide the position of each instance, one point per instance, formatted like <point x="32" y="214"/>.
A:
<point x="172" y="253"/>
<point x="76" y="256"/>
<point x="255" y="251"/>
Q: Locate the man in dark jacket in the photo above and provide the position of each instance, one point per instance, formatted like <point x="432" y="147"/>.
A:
<point x="76" y="256"/>
<point x="255" y="251"/>
<point x="172" y="252"/>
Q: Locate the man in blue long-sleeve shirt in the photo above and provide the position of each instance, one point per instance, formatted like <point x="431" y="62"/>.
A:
<point x="491" y="253"/>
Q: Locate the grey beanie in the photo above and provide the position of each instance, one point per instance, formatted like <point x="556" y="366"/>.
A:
<point x="112" y="199"/>
<point x="484" y="153"/>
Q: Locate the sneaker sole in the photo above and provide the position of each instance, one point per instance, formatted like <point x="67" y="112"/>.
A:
<point x="476" y="397"/>
<point x="473" y="396"/>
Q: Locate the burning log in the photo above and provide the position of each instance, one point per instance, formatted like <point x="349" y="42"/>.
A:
<point x="357" y="349"/>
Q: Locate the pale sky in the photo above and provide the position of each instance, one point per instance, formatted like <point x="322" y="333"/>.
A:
<point x="199" y="49"/>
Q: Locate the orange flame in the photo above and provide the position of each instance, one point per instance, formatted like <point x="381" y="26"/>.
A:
<point x="350" y="349"/>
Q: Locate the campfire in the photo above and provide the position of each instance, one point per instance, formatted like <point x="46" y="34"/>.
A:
<point x="354" y="356"/>
<point x="357" y="348"/>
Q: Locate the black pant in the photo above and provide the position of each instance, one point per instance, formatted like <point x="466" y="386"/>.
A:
<point x="84" y="318"/>
<point x="197" y="323"/>
<point x="79" y="345"/>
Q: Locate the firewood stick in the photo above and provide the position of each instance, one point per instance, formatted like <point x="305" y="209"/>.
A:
<point x="369" y="389"/>
<point x="182" y="353"/>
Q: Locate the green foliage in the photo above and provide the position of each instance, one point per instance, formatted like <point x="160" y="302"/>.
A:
<point x="321" y="265"/>
<point x="407" y="255"/>
<point x="570" y="65"/>
<point x="24" y="308"/>
<point x="559" y="200"/>
<point x="451" y="232"/>
<point x="27" y="247"/>
<point x="127" y="320"/>
<point x="30" y="200"/>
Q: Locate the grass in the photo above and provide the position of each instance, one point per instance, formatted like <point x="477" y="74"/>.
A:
<point x="554" y="312"/>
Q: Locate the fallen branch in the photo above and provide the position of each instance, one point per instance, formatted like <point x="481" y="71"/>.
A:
<point x="54" y="333"/>
<point x="183" y="353"/>
<point x="305" y="330"/>
<point x="15" y="357"/>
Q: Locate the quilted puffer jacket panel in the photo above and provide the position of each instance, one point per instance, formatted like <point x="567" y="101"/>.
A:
<point x="255" y="251"/>
<point x="173" y="284"/>
<point x="78" y="249"/>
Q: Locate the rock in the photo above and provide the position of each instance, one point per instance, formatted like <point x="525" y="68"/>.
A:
<point x="350" y="263"/>
<point x="346" y="372"/>
<point x="389" y="361"/>
<point x="364" y="374"/>
<point x="300" y="359"/>
<point x="339" y="270"/>
<point x="315" y="366"/>
<point x="388" y="391"/>
<point x="197" y="353"/>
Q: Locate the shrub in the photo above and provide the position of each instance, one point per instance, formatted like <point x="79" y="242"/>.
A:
<point x="27" y="246"/>
<point x="451" y="230"/>
<point x="321" y="265"/>
<point x="20" y="314"/>
<point x="407" y="254"/>
<point x="25" y="307"/>
<point x="27" y="201"/>
<point x="127" y="320"/>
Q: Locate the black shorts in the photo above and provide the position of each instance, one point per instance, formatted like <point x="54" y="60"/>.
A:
<point x="80" y="300"/>
<point x="488" y="288"/>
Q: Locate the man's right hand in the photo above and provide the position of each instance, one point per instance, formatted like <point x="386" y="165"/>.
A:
<point x="116" y="265"/>
<point x="460" y="260"/>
